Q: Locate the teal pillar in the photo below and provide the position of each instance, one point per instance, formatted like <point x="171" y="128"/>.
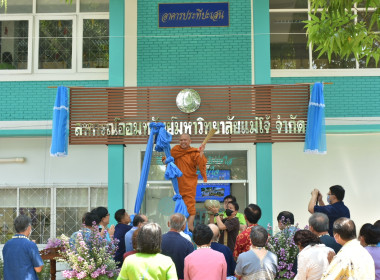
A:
<point x="116" y="79"/>
<point x="264" y="182"/>
<point x="115" y="179"/>
<point x="261" y="29"/>
<point x="116" y="48"/>
<point x="261" y="40"/>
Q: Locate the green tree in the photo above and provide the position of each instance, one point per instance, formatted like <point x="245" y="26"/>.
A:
<point x="344" y="28"/>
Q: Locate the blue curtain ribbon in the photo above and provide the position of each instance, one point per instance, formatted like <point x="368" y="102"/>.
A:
<point x="162" y="140"/>
<point x="315" y="138"/>
<point x="59" y="139"/>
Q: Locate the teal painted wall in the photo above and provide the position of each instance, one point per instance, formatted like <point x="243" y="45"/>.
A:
<point x="33" y="101"/>
<point x="197" y="55"/>
<point x="347" y="96"/>
<point x="264" y="191"/>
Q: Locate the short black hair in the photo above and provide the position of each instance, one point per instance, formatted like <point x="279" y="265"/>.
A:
<point x="137" y="220"/>
<point x="370" y="233"/>
<point x="377" y="224"/>
<point x="305" y="237"/>
<point x="338" y="191"/>
<point x="100" y="211"/>
<point x="90" y="218"/>
<point x="319" y="222"/>
<point x="288" y="217"/>
<point x="235" y="204"/>
<point x="21" y="223"/>
<point x="230" y="196"/>
<point x="345" y="228"/>
<point x="258" y="236"/>
<point x="202" y="234"/>
<point x="119" y="214"/>
<point x="252" y="213"/>
<point x="149" y="239"/>
<point x="364" y="229"/>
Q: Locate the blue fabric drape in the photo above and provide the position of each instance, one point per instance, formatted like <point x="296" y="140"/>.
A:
<point x="162" y="139"/>
<point x="315" y="138"/>
<point x="59" y="139"/>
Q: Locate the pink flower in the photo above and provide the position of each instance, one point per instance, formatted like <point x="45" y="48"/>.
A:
<point x="81" y="275"/>
<point x="95" y="274"/>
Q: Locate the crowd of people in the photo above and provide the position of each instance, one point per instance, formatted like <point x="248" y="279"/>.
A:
<point x="223" y="249"/>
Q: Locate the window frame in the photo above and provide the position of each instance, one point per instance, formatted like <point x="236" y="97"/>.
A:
<point x="80" y="68"/>
<point x="310" y="72"/>
<point x="29" y="18"/>
<point x="38" y="18"/>
<point x="77" y="72"/>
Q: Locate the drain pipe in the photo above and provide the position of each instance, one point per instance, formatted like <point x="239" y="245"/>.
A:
<point x="12" y="160"/>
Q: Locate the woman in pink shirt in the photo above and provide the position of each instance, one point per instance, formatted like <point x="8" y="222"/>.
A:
<point x="204" y="263"/>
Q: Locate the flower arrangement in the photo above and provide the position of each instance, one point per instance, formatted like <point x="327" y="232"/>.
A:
<point x="89" y="255"/>
<point x="54" y="243"/>
<point x="282" y="244"/>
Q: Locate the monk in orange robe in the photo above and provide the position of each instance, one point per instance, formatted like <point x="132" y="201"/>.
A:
<point x="187" y="159"/>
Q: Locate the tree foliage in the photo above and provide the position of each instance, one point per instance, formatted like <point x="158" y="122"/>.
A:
<point x="345" y="27"/>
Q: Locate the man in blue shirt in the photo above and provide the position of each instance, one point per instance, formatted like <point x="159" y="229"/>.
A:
<point x="215" y="245"/>
<point x="176" y="246"/>
<point x="319" y="225"/>
<point x="138" y="221"/>
<point x="22" y="259"/>
<point x="122" y="227"/>
<point x="335" y="208"/>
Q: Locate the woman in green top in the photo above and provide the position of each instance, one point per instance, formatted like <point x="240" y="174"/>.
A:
<point x="148" y="263"/>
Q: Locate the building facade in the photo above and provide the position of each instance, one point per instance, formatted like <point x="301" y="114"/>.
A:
<point x="119" y="43"/>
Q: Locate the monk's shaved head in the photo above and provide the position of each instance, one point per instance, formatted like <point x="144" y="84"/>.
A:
<point x="185" y="141"/>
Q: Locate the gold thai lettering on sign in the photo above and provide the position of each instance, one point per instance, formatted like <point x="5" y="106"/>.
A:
<point x="231" y="126"/>
<point x="200" y="14"/>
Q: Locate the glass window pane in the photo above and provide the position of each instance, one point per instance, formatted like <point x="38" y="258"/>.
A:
<point x="14" y="45"/>
<point x="336" y="62"/>
<point x="287" y="4"/>
<point x="55" y="44"/>
<point x="72" y="204"/>
<point x="367" y="19"/>
<point x="48" y="6"/>
<point x="36" y="204"/>
<point x="95" y="43"/>
<point x="17" y="7"/>
<point x="98" y="197"/>
<point x="371" y="63"/>
<point x="158" y="204"/>
<point x="235" y="161"/>
<point x="288" y="41"/>
<point x="94" y="6"/>
<point x="8" y="202"/>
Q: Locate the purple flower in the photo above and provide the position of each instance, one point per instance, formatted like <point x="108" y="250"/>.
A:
<point x="81" y="275"/>
<point x="95" y="274"/>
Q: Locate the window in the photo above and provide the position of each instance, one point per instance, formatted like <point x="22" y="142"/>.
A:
<point x="14" y="44"/>
<point x="54" y="210"/>
<point x="68" y="38"/>
<point x="55" y="46"/>
<point x="158" y="203"/>
<point x="95" y="45"/>
<point x="288" y="42"/>
<point x="18" y="7"/>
